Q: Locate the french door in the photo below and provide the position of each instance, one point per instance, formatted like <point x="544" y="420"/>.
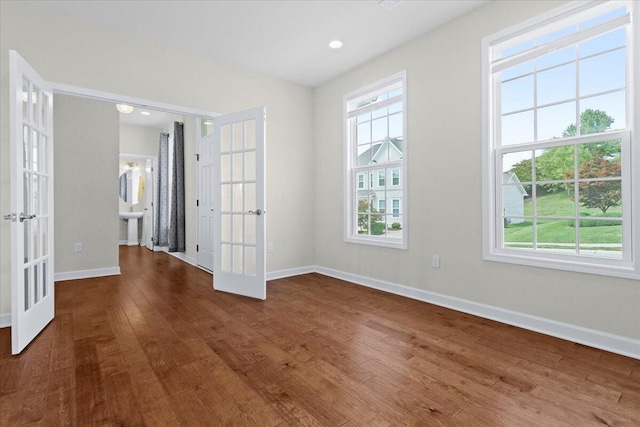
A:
<point x="31" y="129"/>
<point x="239" y="203"/>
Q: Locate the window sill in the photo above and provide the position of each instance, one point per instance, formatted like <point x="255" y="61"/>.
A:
<point x="381" y="242"/>
<point x="598" y="266"/>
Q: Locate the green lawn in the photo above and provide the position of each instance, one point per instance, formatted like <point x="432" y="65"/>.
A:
<point x="560" y="231"/>
<point x="561" y="204"/>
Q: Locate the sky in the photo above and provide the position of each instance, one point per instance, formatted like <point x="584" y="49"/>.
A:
<point x="564" y="78"/>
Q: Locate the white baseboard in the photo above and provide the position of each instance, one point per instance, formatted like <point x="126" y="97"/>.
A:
<point x="181" y="256"/>
<point x="281" y="274"/>
<point x="5" y="320"/>
<point x="603" y="340"/>
<point x="122" y="242"/>
<point x="86" y="274"/>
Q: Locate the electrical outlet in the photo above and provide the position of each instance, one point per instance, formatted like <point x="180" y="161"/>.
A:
<point x="270" y="247"/>
<point x="78" y="247"/>
<point x="435" y="261"/>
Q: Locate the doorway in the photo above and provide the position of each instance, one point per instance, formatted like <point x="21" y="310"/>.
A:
<point x="238" y="136"/>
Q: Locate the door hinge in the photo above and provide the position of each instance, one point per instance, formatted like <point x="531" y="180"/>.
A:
<point x="197" y="157"/>
<point x="197" y="248"/>
<point x="198" y="202"/>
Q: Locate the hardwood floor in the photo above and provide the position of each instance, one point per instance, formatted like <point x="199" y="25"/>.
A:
<point x="157" y="346"/>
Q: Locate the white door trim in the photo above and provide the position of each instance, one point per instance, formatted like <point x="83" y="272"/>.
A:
<point x="64" y="89"/>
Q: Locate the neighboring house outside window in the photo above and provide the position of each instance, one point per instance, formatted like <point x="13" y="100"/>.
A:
<point x="375" y="122"/>
<point x="558" y="151"/>
<point x="360" y="181"/>
<point x="396" y="208"/>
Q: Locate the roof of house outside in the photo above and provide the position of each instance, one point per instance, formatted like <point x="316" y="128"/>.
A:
<point x="378" y="148"/>
<point x="510" y="177"/>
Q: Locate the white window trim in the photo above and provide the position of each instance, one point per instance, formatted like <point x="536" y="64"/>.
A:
<point x="349" y="197"/>
<point x="491" y="251"/>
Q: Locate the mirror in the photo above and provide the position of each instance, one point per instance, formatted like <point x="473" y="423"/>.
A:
<point x="131" y="186"/>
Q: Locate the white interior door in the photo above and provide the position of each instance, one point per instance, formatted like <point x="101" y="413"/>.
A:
<point x="147" y="223"/>
<point x="31" y="129"/>
<point x="205" y="202"/>
<point x="239" y="203"/>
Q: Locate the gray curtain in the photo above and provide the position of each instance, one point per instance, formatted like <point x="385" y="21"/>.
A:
<point x="176" y="221"/>
<point x="161" y="234"/>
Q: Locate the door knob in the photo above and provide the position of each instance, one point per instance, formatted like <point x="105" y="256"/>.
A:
<point x="25" y="216"/>
<point x="257" y="212"/>
<point x="11" y="217"/>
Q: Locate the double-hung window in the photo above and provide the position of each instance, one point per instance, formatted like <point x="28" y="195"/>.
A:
<point x="561" y="164"/>
<point x="376" y="146"/>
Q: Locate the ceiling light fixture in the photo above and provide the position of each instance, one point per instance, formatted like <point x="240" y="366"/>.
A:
<point x="389" y="4"/>
<point x="124" y="108"/>
<point x="335" y="44"/>
<point x="145" y="113"/>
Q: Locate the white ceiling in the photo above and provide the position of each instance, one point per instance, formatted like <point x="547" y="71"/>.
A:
<point x="156" y="119"/>
<point x="286" y="39"/>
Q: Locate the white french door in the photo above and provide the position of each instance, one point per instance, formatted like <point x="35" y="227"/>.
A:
<point x="239" y="203"/>
<point x="206" y="170"/>
<point x="31" y="129"/>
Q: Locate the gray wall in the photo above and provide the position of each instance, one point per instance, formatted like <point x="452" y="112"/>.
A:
<point x="86" y="141"/>
<point x="445" y="194"/>
<point x="141" y="140"/>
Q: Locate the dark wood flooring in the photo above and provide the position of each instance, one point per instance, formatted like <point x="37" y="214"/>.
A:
<point x="157" y="346"/>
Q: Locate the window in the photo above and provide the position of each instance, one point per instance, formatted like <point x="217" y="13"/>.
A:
<point x="558" y="149"/>
<point x="395" y="177"/>
<point x="360" y="181"/>
<point x="375" y="145"/>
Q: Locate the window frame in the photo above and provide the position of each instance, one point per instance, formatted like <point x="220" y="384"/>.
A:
<point x="492" y="162"/>
<point x="395" y="175"/>
<point x="393" y="208"/>
<point x="382" y="177"/>
<point x="350" y="199"/>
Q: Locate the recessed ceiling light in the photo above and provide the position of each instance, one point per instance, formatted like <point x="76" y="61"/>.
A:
<point x="335" y="44"/>
<point x="389" y="4"/>
<point x="124" y="108"/>
<point x="145" y="113"/>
